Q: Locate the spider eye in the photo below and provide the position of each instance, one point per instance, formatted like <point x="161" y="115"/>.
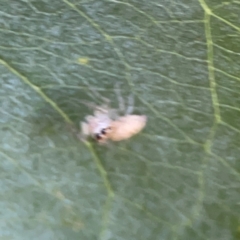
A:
<point x="103" y="131"/>
<point x="98" y="136"/>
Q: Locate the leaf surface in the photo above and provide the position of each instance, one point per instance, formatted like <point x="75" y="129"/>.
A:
<point x="179" y="178"/>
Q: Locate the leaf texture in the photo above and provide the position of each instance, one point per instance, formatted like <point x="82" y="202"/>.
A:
<point x="179" y="178"/>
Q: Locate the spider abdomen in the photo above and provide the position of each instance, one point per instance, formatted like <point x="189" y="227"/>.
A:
<point x="126" y="126"/>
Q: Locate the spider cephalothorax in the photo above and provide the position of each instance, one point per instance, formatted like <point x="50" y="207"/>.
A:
<point x="106" y="124"/>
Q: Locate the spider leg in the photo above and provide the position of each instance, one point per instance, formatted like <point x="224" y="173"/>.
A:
<point x="88" y="104"/>
<point x="84" y="129"/>
<point x="130" y="107"/>
<point x="82" y="136"/>
<point x="104" y="99"/>
<point x="113" y="114"/>
<point x="96" y="109"/>
<point x="120" y="98"/>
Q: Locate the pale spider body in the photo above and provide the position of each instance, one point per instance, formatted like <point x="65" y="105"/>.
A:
<point x="105" y="124"/>
<point x="125" y="127"/>
<point x="95" y="123"/>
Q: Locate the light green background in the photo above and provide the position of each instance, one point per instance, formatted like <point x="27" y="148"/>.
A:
<point x="177" y="180"/>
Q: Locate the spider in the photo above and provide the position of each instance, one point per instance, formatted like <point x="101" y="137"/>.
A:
<point x="106" y="124"/>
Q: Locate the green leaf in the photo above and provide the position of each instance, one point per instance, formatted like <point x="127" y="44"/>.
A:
<point x="178" y="179"/>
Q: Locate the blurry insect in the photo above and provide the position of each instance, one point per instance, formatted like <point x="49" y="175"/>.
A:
<point x="106" y="124"/>
<point x="125" y="127"/>
<point x="97" y="124"/>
